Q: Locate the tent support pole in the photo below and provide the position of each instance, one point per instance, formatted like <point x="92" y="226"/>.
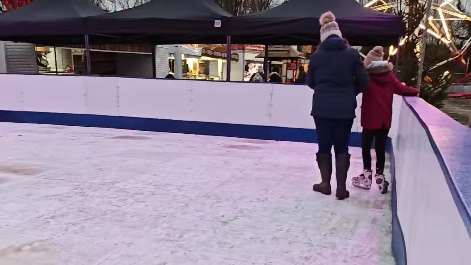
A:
<point x="423" y="45"/>
<point x="154" y="66"/>
<point x="55" y="59"/>
<point x="265" y="64"/>
<point x="87" y="55"/>
<point x="397" y="57"/>
<point x="228" y="58"/>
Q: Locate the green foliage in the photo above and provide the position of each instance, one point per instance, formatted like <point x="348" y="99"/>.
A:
<point x="435" y="91"/>
<point x="436" y="80"/>
<point x="408" y="57"/>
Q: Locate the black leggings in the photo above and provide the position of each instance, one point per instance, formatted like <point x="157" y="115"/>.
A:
<point x="333" y="132"/>
<point x="380" y="136"/>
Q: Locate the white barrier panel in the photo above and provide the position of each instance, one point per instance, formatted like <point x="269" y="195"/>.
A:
<point x="291" y="106"/>
<point x="101" y="96"/>
<point x="186" y="100"/>
<point x="434" y="231"/>
<point x="42" y="93"/>
<point x="149" y="98"/>
<point x="234" y="103"/>
<point x="11" y="90"/>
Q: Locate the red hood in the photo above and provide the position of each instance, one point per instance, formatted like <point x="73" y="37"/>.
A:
<point x="382" y="78"/>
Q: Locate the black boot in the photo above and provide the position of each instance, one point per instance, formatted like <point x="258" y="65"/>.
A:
<point x="324" y="161"/>
<point x="342" y="164"/>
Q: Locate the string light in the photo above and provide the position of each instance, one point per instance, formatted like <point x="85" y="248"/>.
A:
<point x="446" y="12"/>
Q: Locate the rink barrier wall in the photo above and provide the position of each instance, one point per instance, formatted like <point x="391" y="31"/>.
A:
<point x="274" y="112"/>
<point x="431" y="186"/>
<point x="397" y="237"/>
<point x="249" y="110"/>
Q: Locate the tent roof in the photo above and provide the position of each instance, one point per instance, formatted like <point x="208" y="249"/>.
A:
<point x="297" y="22"/>
<point x="165" y="22"/>
<point x="51" y="21"/>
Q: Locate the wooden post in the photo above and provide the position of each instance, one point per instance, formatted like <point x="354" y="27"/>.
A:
<point x="87" y="55"/>
<point x="397" y="57"/>
<point x="55" y="59"/>
<point x="423" y="45"/>
<point x="266" y="64"/>
<point x="228" y="58"/>
<point x="154" y="66"/>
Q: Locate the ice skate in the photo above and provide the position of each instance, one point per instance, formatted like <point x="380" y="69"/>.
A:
<point x="364" y="180"/>
<point x="382" y="183"/>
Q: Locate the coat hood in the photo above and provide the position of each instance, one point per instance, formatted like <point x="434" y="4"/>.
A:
<point x="333" y="43"/>
<point x="382" y="78"/>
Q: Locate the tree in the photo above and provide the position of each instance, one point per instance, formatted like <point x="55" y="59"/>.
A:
<point x="116" y="5"/>
<point x="242" y="7"/>
<point x="408" y="53"/>
<point x="235" y="7"/>
<point x="437" y="79"/>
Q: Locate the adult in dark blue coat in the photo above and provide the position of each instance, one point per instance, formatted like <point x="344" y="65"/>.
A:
<point x="337" y="75"/>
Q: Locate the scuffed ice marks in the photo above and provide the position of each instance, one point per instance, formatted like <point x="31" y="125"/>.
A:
<point x="20" y="169"/>
<point x="90" y="196"/>
<point x="32" y="253"/>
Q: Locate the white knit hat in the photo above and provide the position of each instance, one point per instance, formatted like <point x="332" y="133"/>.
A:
<point x="329" y="26"/>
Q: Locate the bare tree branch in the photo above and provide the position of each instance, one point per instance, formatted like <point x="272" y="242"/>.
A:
<point x="242" y="7"/>
<point x="116" y="5"/>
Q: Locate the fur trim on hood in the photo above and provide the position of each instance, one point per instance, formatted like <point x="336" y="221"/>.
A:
<point x="388" y="67"/>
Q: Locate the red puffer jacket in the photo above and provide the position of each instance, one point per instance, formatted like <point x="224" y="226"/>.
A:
<point x="376" y="109"/>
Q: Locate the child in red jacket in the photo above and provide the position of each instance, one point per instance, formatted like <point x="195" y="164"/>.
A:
<point x="376" y="116"/>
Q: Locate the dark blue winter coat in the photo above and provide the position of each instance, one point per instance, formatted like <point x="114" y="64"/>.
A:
<point x="337" y="75"/>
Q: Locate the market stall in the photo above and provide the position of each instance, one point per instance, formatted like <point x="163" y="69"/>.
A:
<point x="287" y="58"/>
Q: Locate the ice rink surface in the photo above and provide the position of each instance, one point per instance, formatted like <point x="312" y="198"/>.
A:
<point x="88" y="196"/>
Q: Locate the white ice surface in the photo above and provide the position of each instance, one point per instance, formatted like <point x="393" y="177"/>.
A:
<point x="88" y="196"/>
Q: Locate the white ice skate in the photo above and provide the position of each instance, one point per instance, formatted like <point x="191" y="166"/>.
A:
<point x="382" y="183"/>
<point x="364" y="180"/>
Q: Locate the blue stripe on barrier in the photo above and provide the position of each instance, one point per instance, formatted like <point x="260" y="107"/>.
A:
<point x="170" y="126"/>
<point x="398" y="243"/>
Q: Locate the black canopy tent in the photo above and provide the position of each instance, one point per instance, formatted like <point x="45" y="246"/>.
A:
<point x="297" y="22"/>
<point x="48" y="22"/>
<point x="163" y="22"/>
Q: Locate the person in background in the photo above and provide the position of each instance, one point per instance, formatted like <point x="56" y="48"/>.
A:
<point x="337" y="75"/>
<point x="274" y="76"/>
<point x="258" y="76"/>
<point x="301" y="75"/>
<point x="69" y="69"/>
<point x="376" y="116"/>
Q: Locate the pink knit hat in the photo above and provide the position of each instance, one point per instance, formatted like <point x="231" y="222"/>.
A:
<point x="329" y="26"/>
<point x="377" y="54"/>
